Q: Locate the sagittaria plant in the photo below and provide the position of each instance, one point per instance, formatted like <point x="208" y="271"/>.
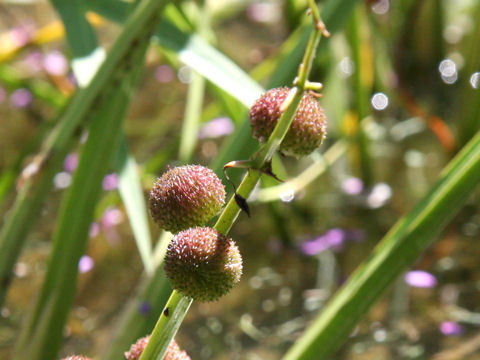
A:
<point x="272" y="116"/>
<point x="203" y="263"/>
<point x="280" y="115"/>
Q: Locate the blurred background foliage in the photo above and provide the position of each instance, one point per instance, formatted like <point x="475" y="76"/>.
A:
<point x="402" y="96"/>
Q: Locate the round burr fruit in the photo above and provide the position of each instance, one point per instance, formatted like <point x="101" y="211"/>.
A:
<point x="185" y="197"/>
<point x="308" y="128"/>
<point x="173" y="352"/>
<point x="203" y="264"/>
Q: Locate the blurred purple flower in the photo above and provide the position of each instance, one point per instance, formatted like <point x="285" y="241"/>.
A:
<point x="85" y="264"/>
<point x="3" y="95"/>
<point x="21" y="35"/>
<point x="315" y="246"/>
<point x="144" y="308"/>
<point x="336" y="237"/>
<point x="352" y="186"/>
<point x="217" y="127"/>
<point x="110" y="182"/>
<point x="421" y="279"/>
<point x="94" y="229"/>
<point x="111" y="217"/>
<point x="21" y="98"/>
<point x="164" y="74"/>
<point x="333" y="239"/>
<point x="55" y="63"/>
<point x="451" y="328"/>
<point x="71" y="162"/>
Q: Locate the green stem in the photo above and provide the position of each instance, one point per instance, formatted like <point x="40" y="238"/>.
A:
<point x="360" y="138"/>
<point x="195" y="95"/>
<point x="195" y="98"/>
<point x="470" y="109"/>
<point x="404" y="243"/>
<point x="167" y="326"/>
<point x="174" y="312"/>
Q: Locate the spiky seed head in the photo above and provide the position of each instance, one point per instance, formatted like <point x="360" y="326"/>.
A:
<point x="186" y="196"/>
<point x="136" y="349"/>
<point x="308" y="128"/>
<point x="173" y="352"/>
<point x="203" y="264"/>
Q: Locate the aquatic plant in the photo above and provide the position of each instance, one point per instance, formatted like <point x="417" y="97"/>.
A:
<point x="86" y="151"/>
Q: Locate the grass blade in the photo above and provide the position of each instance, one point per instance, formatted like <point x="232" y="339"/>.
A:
<point x="398" y="250"/>
<point x="21" y="218"/>
<point x="42" y="337"/>
<point x="193" y="111"/>
<point x="141" y="314"/>
<point x="195" y="97"/>
<point x="131" y="192"/>
<point x="470" y="109"/>
<point x="362" y="83"/>
<point x="81" y="38"/>
<point x="194" y="52"/>
<point x="80" y="35"/>
<point x="38" y="179"/>
<point x="213" y="65"/>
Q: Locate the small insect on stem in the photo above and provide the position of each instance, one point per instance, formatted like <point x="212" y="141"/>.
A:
<point x="166" y="312"/>
<point x="242" y="203"/>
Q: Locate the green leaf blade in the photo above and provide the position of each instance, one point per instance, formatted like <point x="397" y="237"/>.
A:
<point x="130" y="189"/>
<point x="398" y="250"/>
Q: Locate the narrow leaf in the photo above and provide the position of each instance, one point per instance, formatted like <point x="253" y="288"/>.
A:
<point x="196" y="53"/>
<point x="41" y="339"/>
<point x="80" y="35"/>
<point x="39" y="174"/>
<point x="404" y="243"/>
<point x="132" y="196"/>
<point x="141" y="313"/>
